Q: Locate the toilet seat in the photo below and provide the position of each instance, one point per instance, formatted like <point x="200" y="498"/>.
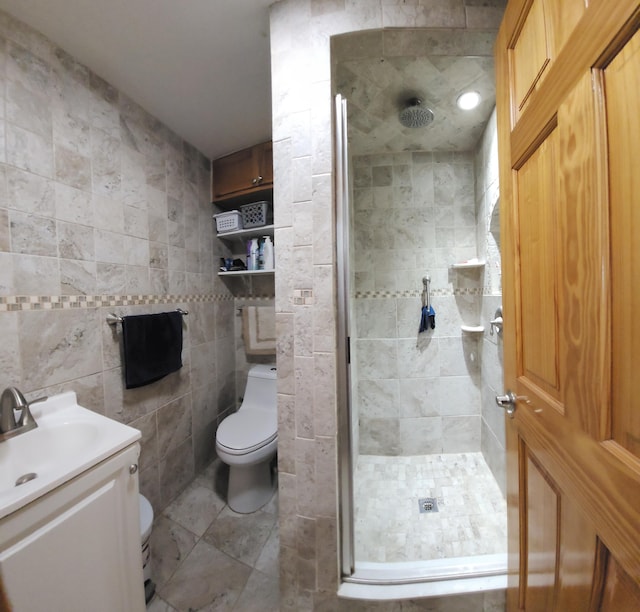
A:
<point x="246" y="431"/>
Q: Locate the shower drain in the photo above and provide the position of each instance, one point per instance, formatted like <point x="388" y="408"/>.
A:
<point x="428" y="504"/>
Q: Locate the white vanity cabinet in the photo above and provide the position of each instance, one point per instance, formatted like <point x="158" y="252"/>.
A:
<point x="77" y="548"/>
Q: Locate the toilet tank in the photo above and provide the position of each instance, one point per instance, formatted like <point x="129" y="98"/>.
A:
<point x="260" y="391"/>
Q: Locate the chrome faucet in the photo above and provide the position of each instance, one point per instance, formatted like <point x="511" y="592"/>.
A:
<point x="10" y="401"/>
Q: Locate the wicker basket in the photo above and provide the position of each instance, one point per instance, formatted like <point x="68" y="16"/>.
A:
<point x="254" y="214"/>
<point x="229" y="221"/>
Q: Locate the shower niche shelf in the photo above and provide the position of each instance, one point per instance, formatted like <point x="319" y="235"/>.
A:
<point x="471" y="263"/>
<point x="472" y="329"/>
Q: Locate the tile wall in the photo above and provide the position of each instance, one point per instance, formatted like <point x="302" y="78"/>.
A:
<point x="414" y="215"/>
<point x="492" y="380"/>
<point x="301" y="32"/>
<point x="103" y="209"/>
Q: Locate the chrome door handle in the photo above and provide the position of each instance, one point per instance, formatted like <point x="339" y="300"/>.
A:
<point x="508" y="402"/>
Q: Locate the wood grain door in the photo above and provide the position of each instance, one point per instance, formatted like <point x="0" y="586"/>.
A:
<point x="568" y="87"/>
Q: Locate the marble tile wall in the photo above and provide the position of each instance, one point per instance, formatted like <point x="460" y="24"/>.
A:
<point x="492" y="383"/>
<point x="414" y="215"/>
<point x="301" y="32"/>
<point x="103" y="209"/>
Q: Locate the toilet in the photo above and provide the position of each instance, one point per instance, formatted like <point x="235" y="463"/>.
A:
<point x="247" y="441"/>
<point x="146" y="521"/>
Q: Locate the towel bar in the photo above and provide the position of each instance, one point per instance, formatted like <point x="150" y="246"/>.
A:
<point x="114" y="319"/>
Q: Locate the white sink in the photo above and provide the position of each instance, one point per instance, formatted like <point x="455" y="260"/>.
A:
<point x="69" y="439"/>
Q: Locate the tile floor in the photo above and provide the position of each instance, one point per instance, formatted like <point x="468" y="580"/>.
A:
<point x="207" y="557"/>
<point x="471" y="517"/>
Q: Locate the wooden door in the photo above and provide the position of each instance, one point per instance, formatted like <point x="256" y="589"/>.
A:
<point x="568" y="97"/>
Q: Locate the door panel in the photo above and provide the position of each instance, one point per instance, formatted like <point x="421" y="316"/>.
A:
<point x="570" y="214"/>
<point x="530" y="53"/>
<point x="620" y="592"/>
<point x="536" y="209"/>
<point x="583" y="255"/>
<point x="621" y="87"/>
<point x="576" y="566"/>
<point x="543" y="508"/>
<point x="563" y="17"/>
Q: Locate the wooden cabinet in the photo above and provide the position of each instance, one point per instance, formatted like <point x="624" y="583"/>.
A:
<point x="78" y="547"/>
<point x="243" y="173"/>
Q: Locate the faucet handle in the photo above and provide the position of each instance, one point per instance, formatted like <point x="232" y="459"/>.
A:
<point x="26" y="418"/>
<point x="43" y="398"/>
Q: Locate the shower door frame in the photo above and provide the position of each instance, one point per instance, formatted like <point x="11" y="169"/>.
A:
<point x="423" y="578"/>
<point x="343" y="376"/>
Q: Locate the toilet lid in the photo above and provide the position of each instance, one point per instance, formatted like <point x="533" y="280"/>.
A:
<point x="247" y="430"/>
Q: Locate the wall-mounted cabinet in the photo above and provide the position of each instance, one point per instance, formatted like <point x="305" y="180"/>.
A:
<point x="243" y="173"/>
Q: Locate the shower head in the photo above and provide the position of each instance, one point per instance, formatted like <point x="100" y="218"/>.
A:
<point x="414" y="115"/>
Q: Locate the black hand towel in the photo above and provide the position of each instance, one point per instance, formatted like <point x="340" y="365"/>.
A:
<point x="152" y="347"/>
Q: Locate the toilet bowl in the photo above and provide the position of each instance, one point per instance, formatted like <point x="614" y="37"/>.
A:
<point x="247" y="441"/>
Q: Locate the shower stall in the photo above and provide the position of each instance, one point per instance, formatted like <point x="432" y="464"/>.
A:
<point x="422" y="443"/>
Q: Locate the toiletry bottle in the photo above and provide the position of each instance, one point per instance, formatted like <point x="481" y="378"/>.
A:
<point x="253" y="258"/>
<point x="261" y="256"/>
<point x="248" y="254"/>
<point x="268" y="253"/>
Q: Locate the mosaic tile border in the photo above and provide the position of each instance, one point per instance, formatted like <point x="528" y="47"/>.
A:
<point x="303" y="297"/>
<point x="413" y="293"/>
<point x="13" y="303"/>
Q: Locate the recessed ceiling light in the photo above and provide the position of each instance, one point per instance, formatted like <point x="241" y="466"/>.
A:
<point x="468" y="100"/>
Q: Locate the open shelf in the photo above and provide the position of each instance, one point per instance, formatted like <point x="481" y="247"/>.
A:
<point x="239" y="237"/>
<point x="472" y="329"/>
<point x="264" y="230"/>
<point x="246" y="273"/>
<point x="471" y="263"/>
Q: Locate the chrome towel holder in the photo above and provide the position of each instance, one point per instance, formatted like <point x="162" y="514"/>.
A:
<point x="114" y="319"/>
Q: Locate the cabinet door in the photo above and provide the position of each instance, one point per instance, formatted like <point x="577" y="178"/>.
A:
<point x="265" y="176"/>
<point x="78" y="548"/>
<point x="234" y="173"/>
<point x="244" y="172"/>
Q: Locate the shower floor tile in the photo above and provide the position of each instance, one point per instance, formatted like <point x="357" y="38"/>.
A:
<point x="471" y="517"/>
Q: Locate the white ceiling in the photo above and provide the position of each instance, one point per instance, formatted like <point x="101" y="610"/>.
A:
<point x="200" y="66"/>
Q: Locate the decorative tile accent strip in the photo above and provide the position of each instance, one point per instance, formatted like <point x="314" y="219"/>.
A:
<point x="303" y="297"/>
<point x="413" y="293"/>
<point x="55" y="302"/>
